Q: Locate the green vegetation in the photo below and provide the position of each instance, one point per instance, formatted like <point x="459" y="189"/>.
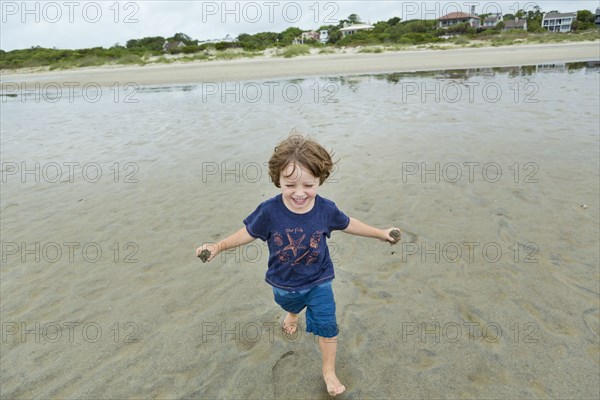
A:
<point x="371" y="50"/>
<point x="392" y="34"/>
<point x="230" y="55"/>
<point x="295" y="50"/>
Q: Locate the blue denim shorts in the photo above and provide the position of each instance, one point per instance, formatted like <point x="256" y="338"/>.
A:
<point x="320" y="307"/>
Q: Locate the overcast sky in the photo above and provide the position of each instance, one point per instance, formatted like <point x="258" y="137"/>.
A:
<point x="81" y="24"/>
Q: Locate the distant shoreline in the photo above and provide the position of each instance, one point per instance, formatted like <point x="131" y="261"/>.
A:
<point x="314" y="65"/>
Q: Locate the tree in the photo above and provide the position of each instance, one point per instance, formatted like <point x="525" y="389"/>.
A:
<point x="154" y="43"/>
<point x="334" y="35"/>
<point x="258" y="41"/>
<point x="585" y="16"/>
<point x="460" y="29"/>
<point x="585" y="20"/>
<point x="287" y="37"/>
<point x="354" y="19"/>
<point x="182" y="37"/>
<point x="393" y="21"/>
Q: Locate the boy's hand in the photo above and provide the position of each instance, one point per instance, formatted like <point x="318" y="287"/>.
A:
<point x="391" y="235"/>
<point x="212" y="250"/>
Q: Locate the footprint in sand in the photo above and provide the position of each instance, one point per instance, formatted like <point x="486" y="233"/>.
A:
<point x="591" y="319"/>
<point x="296" y="376"/>
<point x="506" y="231"/>
<point x="424" y="360"/>
<point x="546" y="319"/>
<point x="365" y="206"/>
<point x="521" y="196"/>
<point x="488" y="331"/>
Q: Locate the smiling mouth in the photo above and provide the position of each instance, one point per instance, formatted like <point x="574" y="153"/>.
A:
<point x="299" y="202"/>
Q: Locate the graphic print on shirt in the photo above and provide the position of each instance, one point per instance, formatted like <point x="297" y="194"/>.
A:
<point x="295" y="249"/>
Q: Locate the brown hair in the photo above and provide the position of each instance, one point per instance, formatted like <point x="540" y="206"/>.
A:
<point x="300" y="150"/>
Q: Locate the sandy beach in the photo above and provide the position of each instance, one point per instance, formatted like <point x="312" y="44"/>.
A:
<point x="491" y="174"/>
<point x="317" y="65"/>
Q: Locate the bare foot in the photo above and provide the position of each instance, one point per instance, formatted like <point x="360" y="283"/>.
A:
<point x="334" y="386"/>
<point x="290" y="323"/>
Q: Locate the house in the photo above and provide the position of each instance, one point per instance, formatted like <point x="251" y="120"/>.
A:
<point x="352" y="29"/>
<point x="457" y="18"/>
<point x="492" y="20"/>
<point x="227" y="39"/>
<point x="324" y="36"/>
<point x="558" y="22"/>
<point x="515" y="24"/>
<point x="171" y="45"/>
<point x="308" y="35"/>
<point x="598" y="17"/>
<point x="551" y="67"/>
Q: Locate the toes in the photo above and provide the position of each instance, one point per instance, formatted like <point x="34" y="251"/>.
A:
<point x="290" y="324"/>
<point x="335" y="388"/>
<point x="289" y="329"/>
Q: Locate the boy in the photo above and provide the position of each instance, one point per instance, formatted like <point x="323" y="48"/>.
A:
<point x="295" y="225"/>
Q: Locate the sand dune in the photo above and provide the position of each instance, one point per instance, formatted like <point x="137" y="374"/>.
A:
<point x="317" y="65"/>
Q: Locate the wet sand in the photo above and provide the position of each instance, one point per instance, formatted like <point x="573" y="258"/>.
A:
<point x="131" y="313"/>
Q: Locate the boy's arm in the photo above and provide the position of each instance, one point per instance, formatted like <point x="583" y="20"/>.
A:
<point x="355" y="227"/>
<point x="239" y="238"/>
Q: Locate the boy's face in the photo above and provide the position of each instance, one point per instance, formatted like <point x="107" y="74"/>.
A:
<point x="298" y="189"/>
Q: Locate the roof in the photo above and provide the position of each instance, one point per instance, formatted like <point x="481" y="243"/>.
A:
<point x="511" y="24"/>
<point x="493" y="18"/>
<point x="168" y="45"/>
<point x="458" y="15"/>
<point x="357" y="26"/>
<point x="560" y="15"/>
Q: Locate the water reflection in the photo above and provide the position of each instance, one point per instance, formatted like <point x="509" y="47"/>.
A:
<point x="351" y="83"/>
<point x="511" y="72"/>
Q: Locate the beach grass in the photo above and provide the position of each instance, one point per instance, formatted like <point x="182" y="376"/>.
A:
<point x="163" y="60"/>
<point x="94" y="61"/>
<point x="294" y="51"/>
<point x="371" y="50"/>
<point x="491" y="39"/>
<point x="230" y="55"/>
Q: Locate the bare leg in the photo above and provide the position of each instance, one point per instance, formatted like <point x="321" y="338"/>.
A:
<point x="328" y="348"/>
<point x="290" y="323"/>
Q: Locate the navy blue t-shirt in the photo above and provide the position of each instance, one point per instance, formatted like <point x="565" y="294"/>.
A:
<point x="298" y="252"/>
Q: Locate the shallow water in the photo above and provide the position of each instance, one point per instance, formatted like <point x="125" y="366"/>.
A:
<point x="492" y="174"/>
